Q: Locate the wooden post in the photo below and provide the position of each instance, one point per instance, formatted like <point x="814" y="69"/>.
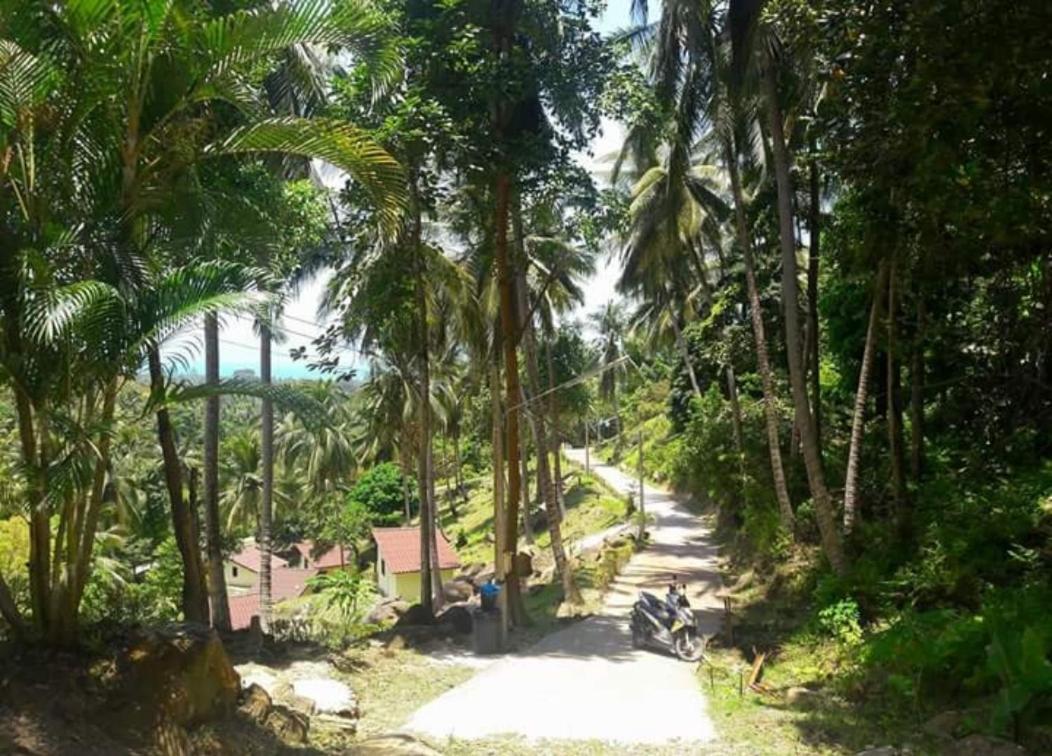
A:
<point x="642" y="496"/>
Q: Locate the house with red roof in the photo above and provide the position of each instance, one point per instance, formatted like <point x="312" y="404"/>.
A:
<point x="398" y="561"/>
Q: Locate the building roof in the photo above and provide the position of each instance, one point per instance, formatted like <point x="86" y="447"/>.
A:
<point x="325" y="560"/>
<point x="285" y="583"/>
<point x="250" y="557"/>
<point x="400" y="549"/>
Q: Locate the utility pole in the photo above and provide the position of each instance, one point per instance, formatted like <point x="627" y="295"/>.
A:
<point x="642" y="497"/>
<point x="587" y="460"/>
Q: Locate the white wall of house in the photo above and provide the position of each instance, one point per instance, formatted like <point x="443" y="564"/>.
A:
<point x="239" y="579"/>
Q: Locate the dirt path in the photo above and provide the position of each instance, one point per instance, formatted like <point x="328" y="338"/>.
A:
<point x="587" y="682"/>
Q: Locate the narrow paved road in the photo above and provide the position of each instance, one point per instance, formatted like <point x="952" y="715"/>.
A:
<point x="587" y="682"/>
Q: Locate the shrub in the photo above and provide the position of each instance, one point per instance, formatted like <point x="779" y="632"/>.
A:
<point x="381" y="491"/>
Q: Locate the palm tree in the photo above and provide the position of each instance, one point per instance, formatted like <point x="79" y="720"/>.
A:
<point x="745" y="27"/>
<point x="610" y="324"/>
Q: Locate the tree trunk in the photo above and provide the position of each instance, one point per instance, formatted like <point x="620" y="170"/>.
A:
<point x="684" y="351"/>
<point x="266" y="506"/>
<point x="854" y="454"/>
<point x="405" y="491"/>
<point x="509" y="331"/>
<point x="553" y="413"/>
<point x="736" y="423"/>
<point x="813" y="260"/>
<point x="895" y="437"/>
<point x="195" y="593"/>
<point x="536" y="411"/>
<point x="424" y="465"/>
<point x="216" y="578"/>
<point x="763" y="360"/>
<point x="526" y="510"/>
<point x="824" y="513"/>
<point x="497" y="441"/>
<point x="917" y="393"/>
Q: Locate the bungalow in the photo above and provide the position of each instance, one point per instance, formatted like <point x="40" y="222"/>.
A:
<point x="398" y="561"/>
<point x="241" y="570"/>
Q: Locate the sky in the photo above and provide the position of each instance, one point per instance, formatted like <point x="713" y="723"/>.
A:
<point x="239" y="344"/>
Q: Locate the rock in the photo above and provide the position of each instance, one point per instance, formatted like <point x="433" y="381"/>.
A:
<point x="180" y="674"/>
<point x="414" y="615"/>
<point x="802" y="697"/>
<point x="984" y="745"/>
<point x="392" y="745"/>
<point x="255" y="703"/>
<point x="457" y="617"/>
<point x="458" y="590"/>
<point x="387" y="611"/>
<point x="302" y="704"/>
<point x="289" y="726"/>
<point x="328" y="696"/>
<point x="546" y="575"/>
<point x="943" y="725"/>
<point x="881" y="751"/>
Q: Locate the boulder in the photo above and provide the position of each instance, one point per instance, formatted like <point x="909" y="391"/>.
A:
<point x="457" y="617"/>
<point x="984" y="745"/>
<point x="387" y="611"/>
<point x="255" y="703"/>
<point x="289" y="726"/>
<point x="414" y="615"/>
<point x="179" y="674"/>
<point x="879" y="751"/>
<point x="328" y="696"/>
<point x="943" y="725"/>
<point x="802" y="698"/>
<point x="392" y="745"/>
<point x="458" y="590"/>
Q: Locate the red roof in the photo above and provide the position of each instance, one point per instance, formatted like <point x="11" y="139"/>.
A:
<point x="250" y="557"/>
<point x="400" y="549"/>
<point x="285" y="583"/>
<point x="325" y="560"/>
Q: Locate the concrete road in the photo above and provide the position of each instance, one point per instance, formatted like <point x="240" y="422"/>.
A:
<point x="587" y="682"/>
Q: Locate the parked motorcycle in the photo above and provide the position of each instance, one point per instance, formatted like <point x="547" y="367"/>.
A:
<point x="668" y="624"/>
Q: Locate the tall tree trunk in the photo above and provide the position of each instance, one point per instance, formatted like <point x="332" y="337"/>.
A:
<point x="553" y="413"/>
<point x="858" y="419"/>
<point x="526" y="509"/>
<point x="895" y="436"/>
<point x="266" y="505"/>
<point x="684" y="351"/>
<point x="824" y="512"/>
<point x="917" y="392"/>
<point x="813" y="260"/>
<point x="406" y="468"/>
<point x="763" y="360"/>
<point x="461" y="488"/>
<point x="509" y="332"/>
<point x="424" y="465"/>
<point x="500" y="552"/>
<point x="195" y="594"/>
<point x="736" y="424"/>
<point x="536" y="411"/>
<point x="213" y="529"/>
<point x="34" y="461"/>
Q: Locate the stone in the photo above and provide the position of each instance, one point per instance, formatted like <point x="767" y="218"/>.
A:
<point x="943" y="725"/>
<point x="881" y="751"/>
<point x="255" y="703"/>
<point x="984" y="745"/>
<point x="180" y="674"/>
<point x="457" y="617"/>
<point x="387" y="611"/>
<point x="458" y="590"/>
<point x="289" y="726"/>
<point x="302" y="704"/>
<point x="392" y="745"/>
<point x="802" y="697"/>
<point x="328" y="696"/>
<point x="414" y="615"/>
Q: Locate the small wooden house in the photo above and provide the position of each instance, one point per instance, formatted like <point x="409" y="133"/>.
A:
<point x="398" y="561"/>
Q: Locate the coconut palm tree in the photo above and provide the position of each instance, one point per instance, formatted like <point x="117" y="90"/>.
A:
<point x="611" y="324"/>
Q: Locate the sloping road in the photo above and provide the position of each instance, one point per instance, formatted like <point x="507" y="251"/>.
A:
<point x="586" y="682"/>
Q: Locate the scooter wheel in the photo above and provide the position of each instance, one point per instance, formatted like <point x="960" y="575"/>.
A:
<point x="638" y="641"/>
<point x="689" y="648"/>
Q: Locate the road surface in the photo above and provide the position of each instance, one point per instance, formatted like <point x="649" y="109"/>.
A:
<point x="586" y="682"/>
